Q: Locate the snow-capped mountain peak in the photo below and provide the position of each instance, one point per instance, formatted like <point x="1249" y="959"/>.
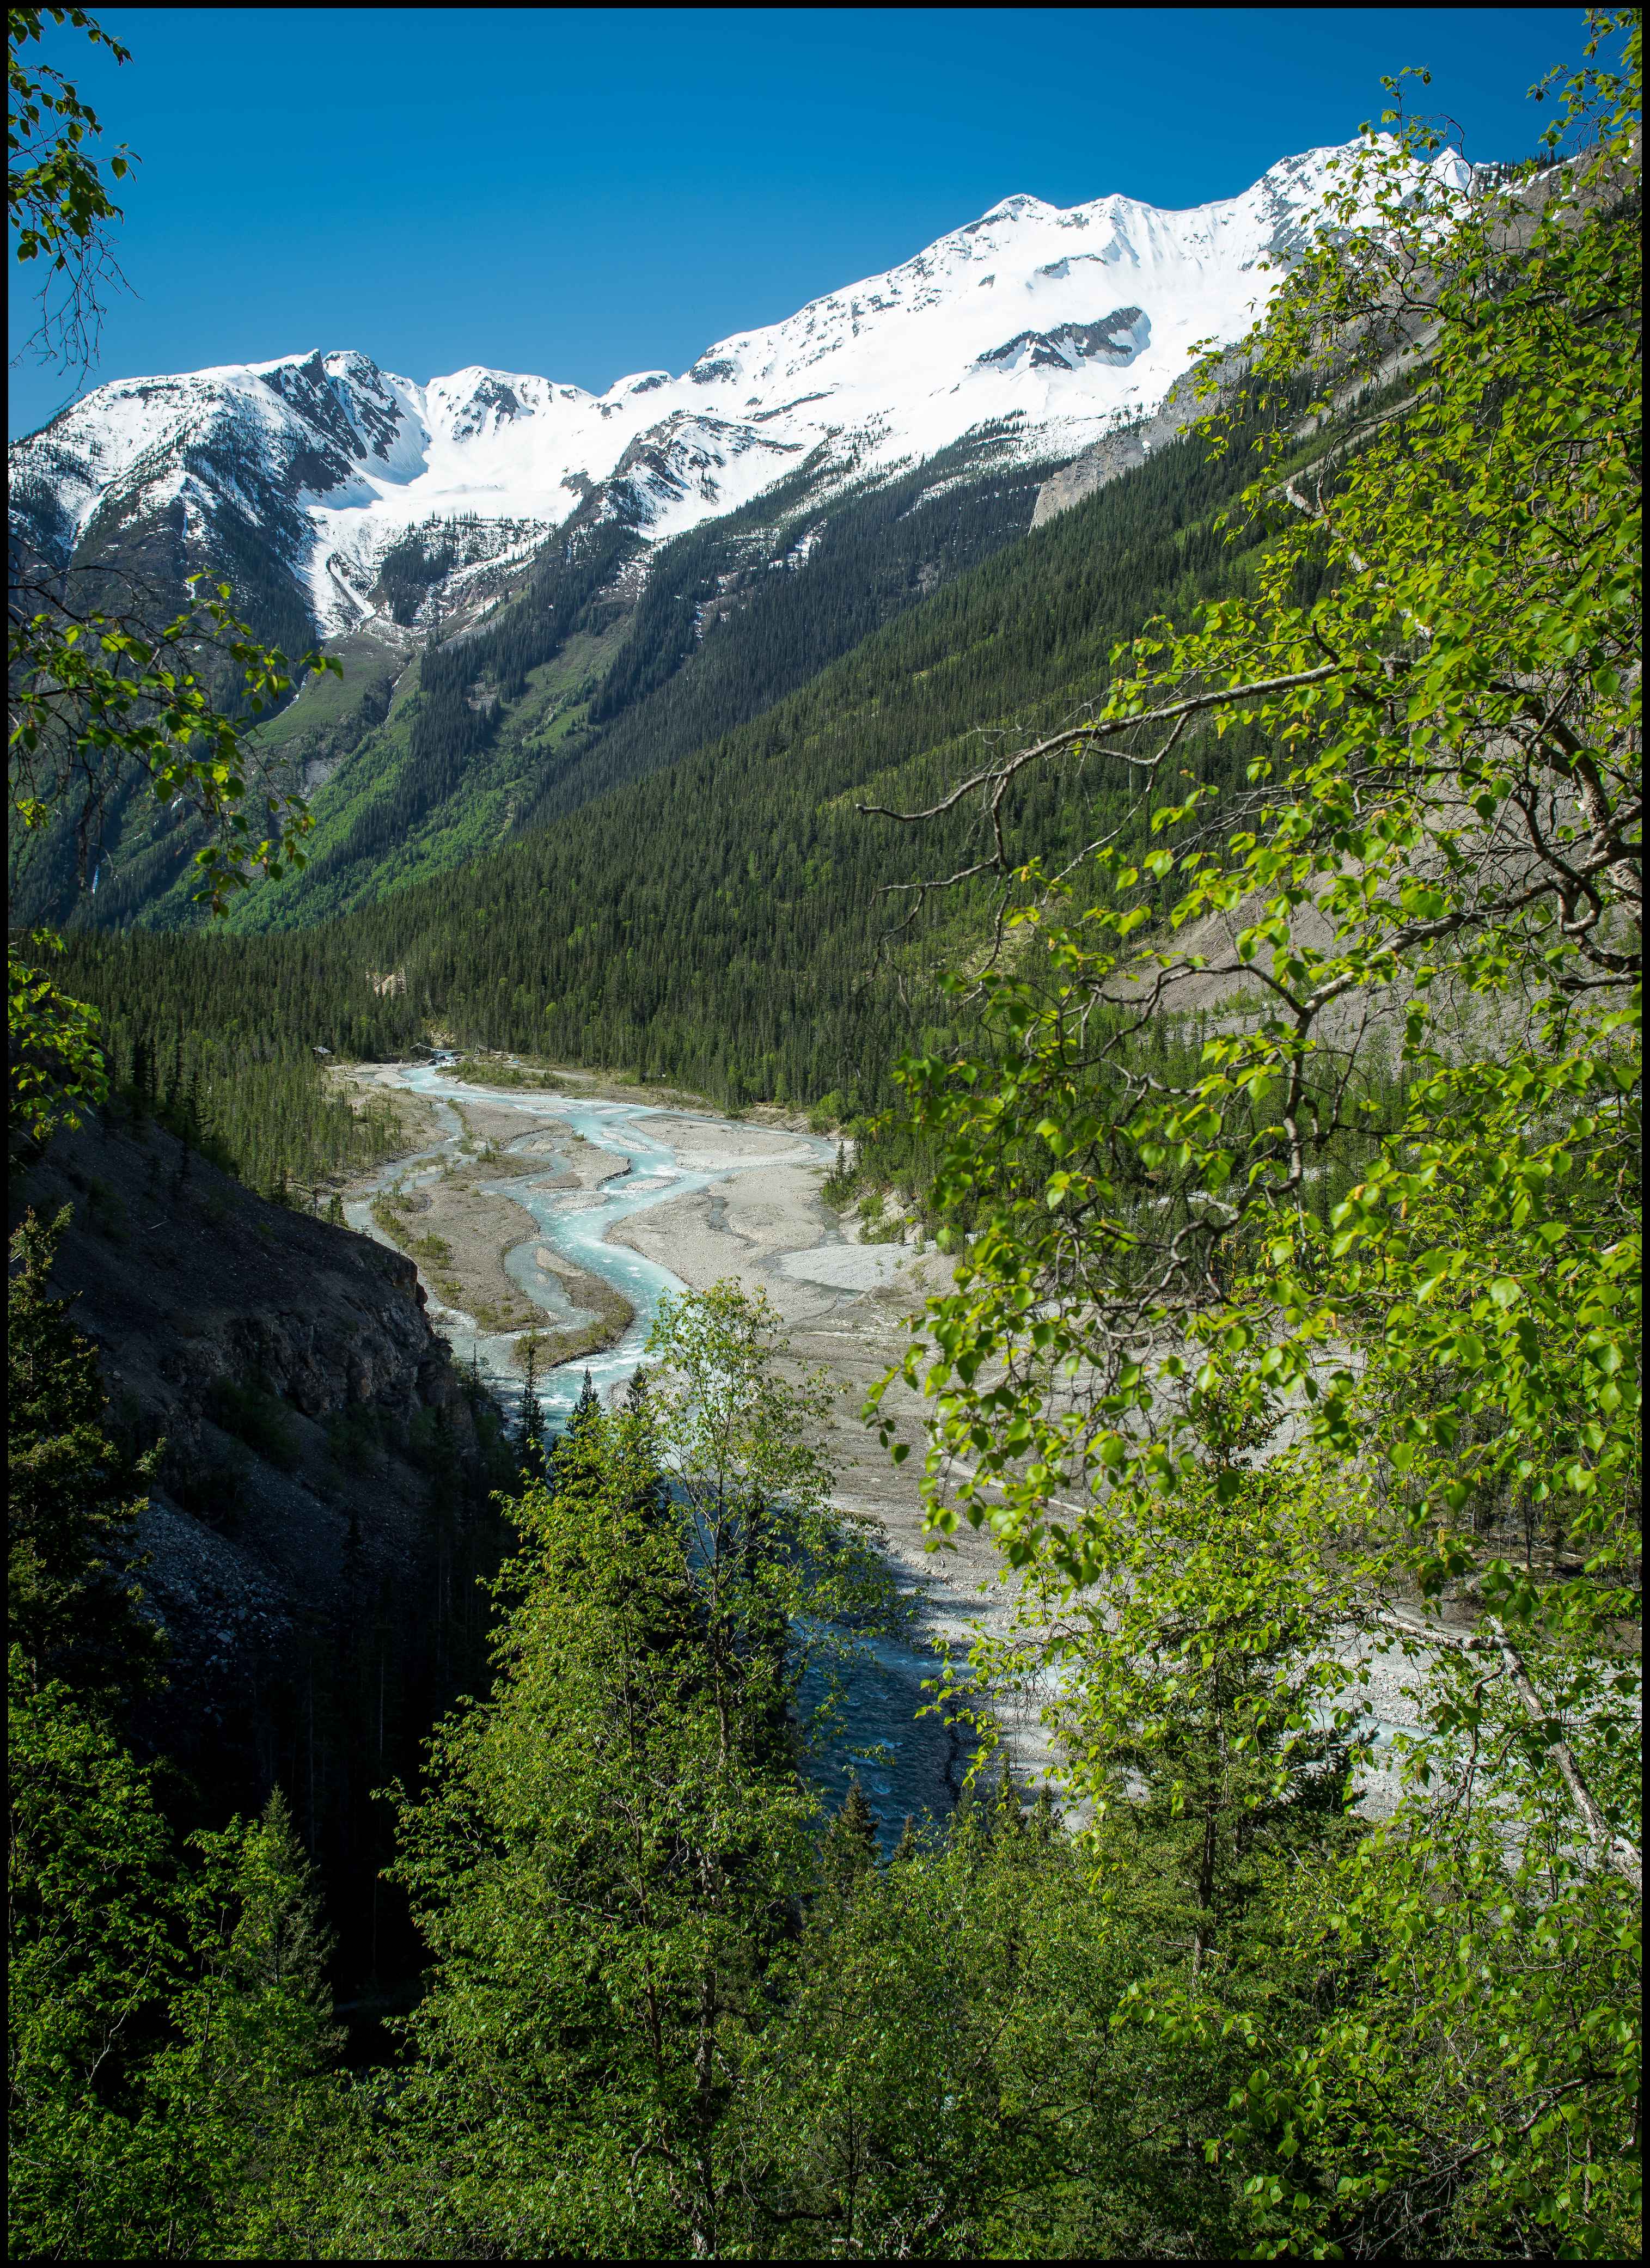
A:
<point x="1050" y="322"/>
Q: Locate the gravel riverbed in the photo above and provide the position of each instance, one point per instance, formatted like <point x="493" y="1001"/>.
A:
<point x="644" y="1200"/>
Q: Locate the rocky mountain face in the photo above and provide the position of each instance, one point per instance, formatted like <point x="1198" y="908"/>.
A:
<point x="355" y="493"/>
<point x="318" y="1513"/>
<point x="537" y="592"/>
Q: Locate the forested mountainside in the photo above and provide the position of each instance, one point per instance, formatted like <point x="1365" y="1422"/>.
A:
<point x="503" y="1851"/>
<point x="575" y="691"/>
<point x="490" y="556"/>
<point x="718" y="922"/>
<point x="607" y="665"/>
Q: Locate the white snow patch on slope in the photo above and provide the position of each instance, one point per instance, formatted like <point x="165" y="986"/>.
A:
<point x="884" y="372"/>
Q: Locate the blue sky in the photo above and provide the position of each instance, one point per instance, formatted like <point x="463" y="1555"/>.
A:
<point x="585" y="192"/>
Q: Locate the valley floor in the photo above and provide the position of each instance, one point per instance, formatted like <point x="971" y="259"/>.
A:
<point x="571" y="1228"/>
<point x="749" y="1209"/>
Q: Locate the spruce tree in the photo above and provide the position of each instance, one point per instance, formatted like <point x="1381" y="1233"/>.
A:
<point x="782" y="1571"/>
<point x="635" y="1419"/>
<point x="261" y="2015"/>
<point x="530" y="1450"/>
<point x="73" y="1496"/>
<point x="850" y="1848"/>
<point x="1044" y="1822"/>
<point x="169" y="2022"/>
<point x="1008" y="1814"/>
<point x="139" y="1088"/>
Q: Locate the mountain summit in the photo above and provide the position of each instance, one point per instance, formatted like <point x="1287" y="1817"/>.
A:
<point x="1036" y="324"/>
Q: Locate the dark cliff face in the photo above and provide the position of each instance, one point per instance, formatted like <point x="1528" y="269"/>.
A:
<point x="319" y="1518"/>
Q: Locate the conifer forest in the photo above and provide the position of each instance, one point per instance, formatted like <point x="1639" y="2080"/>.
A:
<point x="824" y="1355"/>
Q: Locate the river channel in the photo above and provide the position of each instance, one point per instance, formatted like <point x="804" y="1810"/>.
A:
<point x="577" y="1224"/>
<point x="907" y="1760"/>
<point x="724" y="1199"/>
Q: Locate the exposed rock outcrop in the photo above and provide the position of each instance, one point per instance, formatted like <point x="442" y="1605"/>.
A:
<point x="1118" y="452"/>
<point x="317" y="1438"/>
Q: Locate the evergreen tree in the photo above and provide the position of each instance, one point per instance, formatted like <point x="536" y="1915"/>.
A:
<point x="73" y="1494"/>
<point x="948" y="2077"/>
<point x="1008" y="1816"/>
<point x="1044" y="1823"/>
<point x="850" y="1848"/>
<point x="602" y="1868"/>
<point x="168" y="2020"/>
<point x="141" y="1095"/>
<point x="781" y="1570"/>
<point x="530" y="1450"/>
<point x="637" y="1418"/>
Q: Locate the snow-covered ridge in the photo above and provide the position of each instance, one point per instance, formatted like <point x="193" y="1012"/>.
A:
<point x="1058" y="320"/>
